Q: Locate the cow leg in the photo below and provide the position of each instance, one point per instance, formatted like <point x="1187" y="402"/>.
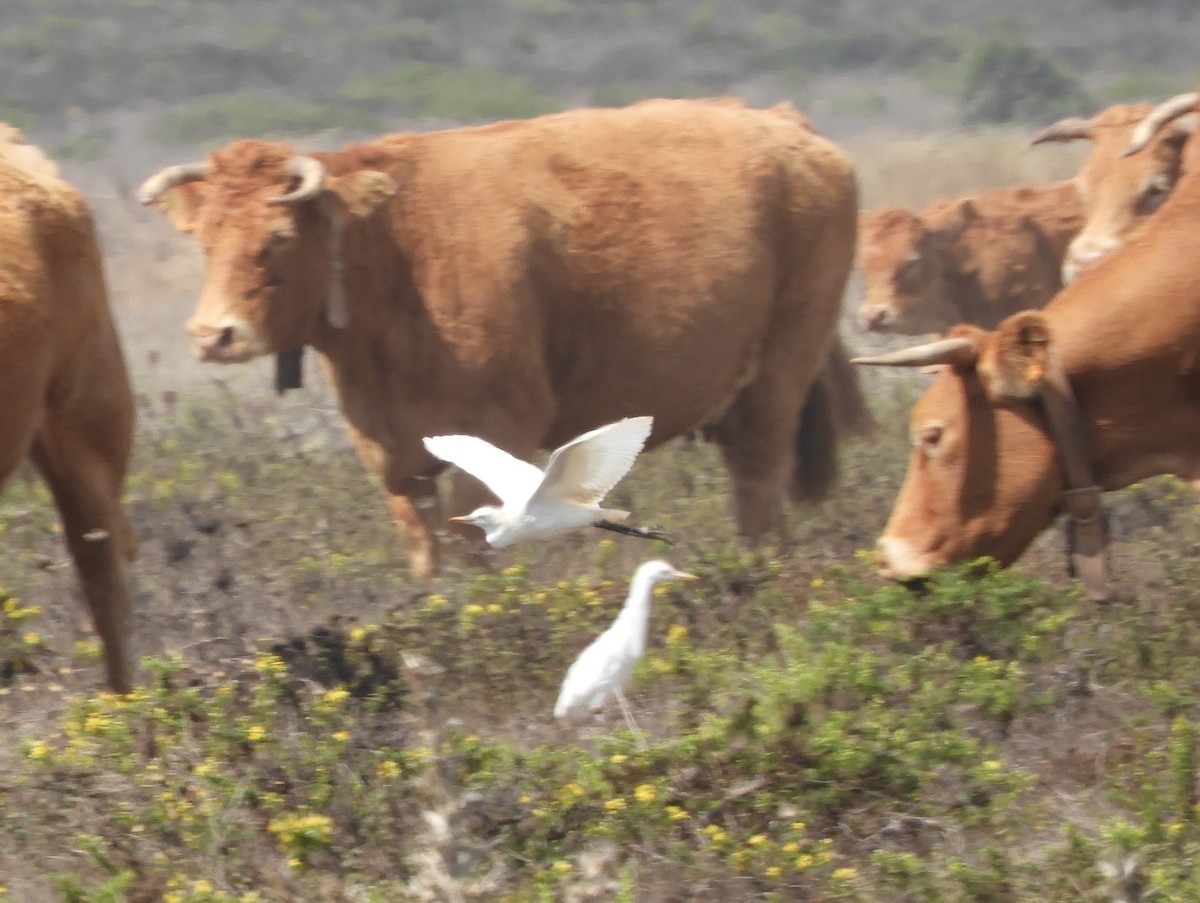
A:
<point x="412" y="501"/>
<point x="756" y="440"/>
<point x="759" y="436"/>
<point x="82" y="452"/>
<point x="416" y="511"/>
<point x="19" y="413"/>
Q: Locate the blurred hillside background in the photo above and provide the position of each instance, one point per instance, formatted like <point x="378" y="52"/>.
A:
<point x="931" y="98"/>
<point x="126" y="83"/>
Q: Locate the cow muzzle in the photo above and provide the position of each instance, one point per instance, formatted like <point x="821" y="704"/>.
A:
<point x="1083" y="255"/>
<point x="231" y="341"/>
<point x="898" y="560"/>
<point x="878" y="318"/>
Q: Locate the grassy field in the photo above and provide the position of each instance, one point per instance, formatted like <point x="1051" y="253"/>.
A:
<point x="312" y="724"/>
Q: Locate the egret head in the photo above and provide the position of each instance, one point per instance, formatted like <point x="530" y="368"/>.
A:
<point x="488" y="518"/>
<point x="659" y="570"/>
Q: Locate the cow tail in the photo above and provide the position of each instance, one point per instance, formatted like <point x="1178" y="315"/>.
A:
<point x="835" y="406"/>
<point x="816" y="446"/>
<point x="850" y="408"/>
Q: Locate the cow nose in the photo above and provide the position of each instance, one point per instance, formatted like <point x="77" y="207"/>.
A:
<point x="875" y="319"/>
<point x="211" y="341"/>
<point x="215" y="341"/>
<point x="1083" y="255"/>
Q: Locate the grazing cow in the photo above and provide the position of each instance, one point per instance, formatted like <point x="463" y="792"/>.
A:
<point x="1118" y="192"/>
<point x="970" y="260"/>
<point x="527" y="281"/>
<point x="66" y="402"/>
<point x="1097" y="391"/>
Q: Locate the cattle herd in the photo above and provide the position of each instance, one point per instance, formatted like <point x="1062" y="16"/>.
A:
<point x="528" y="281"/>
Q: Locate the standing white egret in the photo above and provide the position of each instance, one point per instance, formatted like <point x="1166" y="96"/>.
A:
<point x="604" y="667"/>
<point x="537" y="504"/>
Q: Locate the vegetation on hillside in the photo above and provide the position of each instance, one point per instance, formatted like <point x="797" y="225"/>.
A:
<point x="311" y="725"/>
<point x="206" y="72"/>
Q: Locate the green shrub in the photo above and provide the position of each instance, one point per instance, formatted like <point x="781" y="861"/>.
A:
<point x="239" y="115"/>
<point x="429" y="89"/>
<point x="1006" y="81"/>
<point x="859" y="102"/>
<point x="1151" y="86"/>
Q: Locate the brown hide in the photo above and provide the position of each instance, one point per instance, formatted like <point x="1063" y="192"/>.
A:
<point x="67" y="401"/>
<point x="1118" y="193"/>
<point x="527" y="281"/>
<point x="969" y="260"/>
<point x="984" y="477"/>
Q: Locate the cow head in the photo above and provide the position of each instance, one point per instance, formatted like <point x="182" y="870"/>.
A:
<point x="985" y="475"/>
<point x="1118" y="192"/>
<point x="270" y="224"/>
<point x="905" y="274"/>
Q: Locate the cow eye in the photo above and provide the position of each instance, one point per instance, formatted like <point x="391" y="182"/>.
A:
<point x="928" y="439"/>
<point x="1153" y="195"/>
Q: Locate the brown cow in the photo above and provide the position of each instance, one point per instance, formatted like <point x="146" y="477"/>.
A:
<point x="970" y="260"/>
<point x="1118" y="192"/>
<point x="1097" y="391"/>
<point x="527" y="281"/>
<point x="67" y="401"/>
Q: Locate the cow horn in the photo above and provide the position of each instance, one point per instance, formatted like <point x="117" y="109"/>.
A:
<point x="168" y="178"/>
<point x="311" y="173"/>
<point x="1071" y="129"/>
<point x="957" y="351"/>
<point x="1179" y="105"/>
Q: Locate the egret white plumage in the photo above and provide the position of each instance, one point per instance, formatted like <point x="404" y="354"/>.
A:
<point x="604" y="667"/>
<point x="537" y="504"/>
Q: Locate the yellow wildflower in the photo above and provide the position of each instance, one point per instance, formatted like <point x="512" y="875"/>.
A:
<point x="38" y="749"/>
<point x="677" y="635"/>
<point x="615" y="805"/>
<point x="645" y="793"/>
<point x="336" y="695"/>
<point x="266" y="662"/>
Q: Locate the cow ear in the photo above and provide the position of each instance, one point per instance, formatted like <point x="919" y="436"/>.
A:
<point x="181" y="203"/>
<point x="356" y="195"/>
<point x="1015" y="363"/>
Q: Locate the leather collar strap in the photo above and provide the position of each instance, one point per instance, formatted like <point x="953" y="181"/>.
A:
<point x="1087" y="525"/>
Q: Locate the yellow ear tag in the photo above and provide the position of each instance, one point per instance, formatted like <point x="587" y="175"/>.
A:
<point x="1034" y="373"/>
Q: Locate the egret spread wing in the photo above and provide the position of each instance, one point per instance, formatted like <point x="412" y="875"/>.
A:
<point x="586" y="468"/>
<point x="510" y="478"/>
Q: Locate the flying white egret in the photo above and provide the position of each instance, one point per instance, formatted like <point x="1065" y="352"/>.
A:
<point x="537" y="504"/>
<point x="604" y="667"/>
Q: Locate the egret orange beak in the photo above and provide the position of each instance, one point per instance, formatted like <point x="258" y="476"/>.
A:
<point x="459" y="520"/>
<point x="683" y="575"/>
